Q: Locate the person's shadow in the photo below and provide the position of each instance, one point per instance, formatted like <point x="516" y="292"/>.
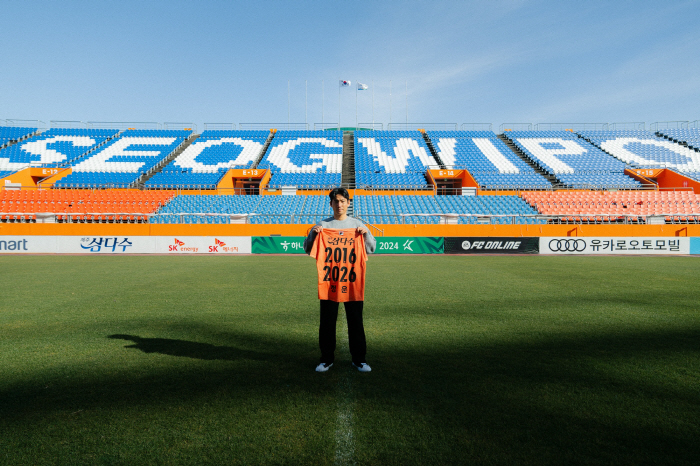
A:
<point x="187" y="349"/>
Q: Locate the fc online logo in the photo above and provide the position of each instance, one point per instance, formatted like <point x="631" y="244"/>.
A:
<point x="567" y="245"/>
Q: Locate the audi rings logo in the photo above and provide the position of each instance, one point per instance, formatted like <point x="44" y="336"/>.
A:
<point x="567" y="245"/>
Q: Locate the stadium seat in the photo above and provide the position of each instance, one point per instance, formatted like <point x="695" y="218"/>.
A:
<point x="124" y="159"/>
<point x="58" y="147"/>
<point x="305" y="159"/>
<point x="202" y="164"/>
<point x="572" y="160"/>
<point x="391" y="159"/>
<point x="643" y="149"/>
<point x="492" y="164"/>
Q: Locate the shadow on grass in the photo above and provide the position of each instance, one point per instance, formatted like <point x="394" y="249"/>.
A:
<point x="188" y="349"/>
<point x="629" y="397"/>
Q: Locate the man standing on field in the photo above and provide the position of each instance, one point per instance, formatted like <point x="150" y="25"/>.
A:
<point x="340" y="245"/>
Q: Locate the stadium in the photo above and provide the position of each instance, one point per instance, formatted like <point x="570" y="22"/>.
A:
<point x="532" y="298"/>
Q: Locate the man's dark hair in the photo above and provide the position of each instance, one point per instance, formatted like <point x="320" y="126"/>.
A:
<point x="342" y="191"/>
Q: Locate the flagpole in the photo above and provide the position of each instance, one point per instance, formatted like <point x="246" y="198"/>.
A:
<point x="339" y="105"/>
<point x="390" y="102"/>
<point x="289" y="106"/>
<point x="373" y="104"/>
<point x="323" y="101"/>
<point x="407" y="104"/>
<point x="306" y="104"/>
<point x="357" y="85"/>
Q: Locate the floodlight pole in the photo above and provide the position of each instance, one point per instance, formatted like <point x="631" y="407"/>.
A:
<point x="306" y="103"/>
<point x="323" y="102"/>
<point x="357" y="85"/>
<point x="373" y="104"/>
<point x="390" y="82"/>
<point x="406" y="104"/>
<point x="289" y="106"/>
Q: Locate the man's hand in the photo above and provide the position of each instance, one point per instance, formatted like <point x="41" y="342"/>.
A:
<point x="317" y="229"/>
<point x="362" y="230"/>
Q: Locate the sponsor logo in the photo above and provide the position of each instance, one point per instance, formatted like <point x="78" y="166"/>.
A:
<point x="567" y="245"/>
<point x="178" y="247"/>
<point x="294" y="245"/>
<point x="19" y="245"/>
<point x="173" y="247"/>
<point x="220" y="244"/>
<point x="490" y="245"/>
<point x="341" y="233"/>
<point x="407" y="245"/>
<point x="105" y="244"/>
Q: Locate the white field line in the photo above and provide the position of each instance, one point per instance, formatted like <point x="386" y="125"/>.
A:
<point x="344" y="441"/>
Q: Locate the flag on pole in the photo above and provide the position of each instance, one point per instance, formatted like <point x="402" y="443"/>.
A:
<point x="361" y="87"/>
<point x="345" y="83"/>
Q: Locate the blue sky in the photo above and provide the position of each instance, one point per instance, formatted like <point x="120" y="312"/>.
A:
<point x="492" y="61"/>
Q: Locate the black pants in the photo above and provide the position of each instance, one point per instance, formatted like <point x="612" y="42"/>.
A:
<point x="356" y="330"/>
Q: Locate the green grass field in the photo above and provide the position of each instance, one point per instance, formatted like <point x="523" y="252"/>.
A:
<point x="476" y="360"/>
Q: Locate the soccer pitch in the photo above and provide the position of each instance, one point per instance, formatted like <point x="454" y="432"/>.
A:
<point x="476" y="360"/>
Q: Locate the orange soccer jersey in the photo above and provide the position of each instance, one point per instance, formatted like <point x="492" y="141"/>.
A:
<point x="341" y="260"/>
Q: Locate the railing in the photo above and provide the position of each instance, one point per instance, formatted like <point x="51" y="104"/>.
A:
<point x="571" y="126"/>
<point x="656" y="126"/>
<point x="181" y="126"/>
<point x="477" y="127"/>
<point x="515" y="127"/>
<point x="426" y="126"/>
<point x="377" y="231"/>
<point x="67" y="124"/>
<point x="283" y="126"/>
<point x="634" y="125"/>
<point x="25" y="123"/>
<point x="325" y="126"/>
<point x="372" y="126"/>
<point x="219" y="126"/>
<point x="122" y="125"/>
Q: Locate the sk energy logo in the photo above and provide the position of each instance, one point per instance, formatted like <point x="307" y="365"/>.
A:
<point x="179" y="246"/>
<point x="173" y="247"/>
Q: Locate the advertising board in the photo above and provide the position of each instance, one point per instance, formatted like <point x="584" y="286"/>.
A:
<point x="106" y="244"/>
<point x="125" y="245"/>
<point x="624" y="245"/>
<point x="491" y="245"/>
<point x="694" y="245"/>
<point x="202" y="245"/>
<point x="27" y="244"/>
<point x="278" y="244"/>
<point x="409" y="245"/>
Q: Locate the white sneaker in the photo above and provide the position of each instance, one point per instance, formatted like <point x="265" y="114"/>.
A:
<point x="362" y="367"/>
<point x="323" y="367"/>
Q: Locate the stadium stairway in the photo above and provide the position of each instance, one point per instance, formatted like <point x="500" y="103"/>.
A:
<point x="434" y="152"/>
<point x="677" y="141"/>
<point x="516" y="150"/>
<point x="140" y="183"/>
<point x="12" y="142"/>
<point x="263" y="151"/>
<point x="348" y="179"/>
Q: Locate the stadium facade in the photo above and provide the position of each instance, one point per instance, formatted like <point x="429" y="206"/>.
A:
<point x="124" y="181"/>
